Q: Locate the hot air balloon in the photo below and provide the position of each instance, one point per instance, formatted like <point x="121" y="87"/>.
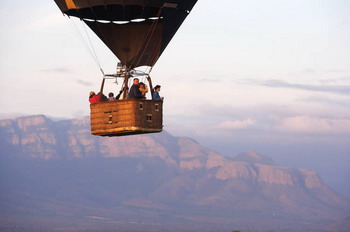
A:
<point x="137" y="32"/>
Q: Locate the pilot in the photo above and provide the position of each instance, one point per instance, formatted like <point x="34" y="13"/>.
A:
<point x="134" y="90"/>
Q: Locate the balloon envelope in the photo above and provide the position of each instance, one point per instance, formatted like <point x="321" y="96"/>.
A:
<point x="136" y="31"/>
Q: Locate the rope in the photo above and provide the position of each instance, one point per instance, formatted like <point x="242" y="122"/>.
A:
<point x="93" y="50"/>
<point x="82" y="39"/>
<point x="154" y="53"/>
<point x="151" y="31"/>
<point x="106" y="39"/>
<point x="147" y="38"/>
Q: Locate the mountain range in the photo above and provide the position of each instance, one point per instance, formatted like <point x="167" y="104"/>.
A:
<point x="56" y="176"/>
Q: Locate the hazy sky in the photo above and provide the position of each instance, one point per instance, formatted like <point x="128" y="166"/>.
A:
<point x="270" y="75"/>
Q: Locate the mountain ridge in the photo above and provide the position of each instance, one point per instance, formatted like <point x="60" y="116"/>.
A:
<point x="160" y="174"/>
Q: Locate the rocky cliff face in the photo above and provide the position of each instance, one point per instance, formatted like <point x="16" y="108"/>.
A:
<point x="160" y="173"/>
<point x="39" y="137"/>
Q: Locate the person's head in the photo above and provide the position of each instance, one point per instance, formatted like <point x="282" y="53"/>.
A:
<point x="111" y="94"/>
<point x="141" y="84"/>
<point x="157" y="88"/>
<point x="136" y="81"/>
<point x="92" y="93"/>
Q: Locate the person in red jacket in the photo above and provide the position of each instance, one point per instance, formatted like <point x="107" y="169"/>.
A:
<point x="94" y="98"/>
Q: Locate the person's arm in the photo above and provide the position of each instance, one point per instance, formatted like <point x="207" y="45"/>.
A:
<point x="138" y="94"/>
<point x="118" y="96"/>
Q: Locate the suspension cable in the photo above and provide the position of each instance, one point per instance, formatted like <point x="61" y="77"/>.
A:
<point x="82" y="39"/>
<point x="145" y="43"/>
<point x="93" y="49"/>
<point x="106" y="39"/>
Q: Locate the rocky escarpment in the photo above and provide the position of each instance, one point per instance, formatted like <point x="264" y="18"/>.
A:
<point x="40" y="137"/>
<point x="159" y="172"/>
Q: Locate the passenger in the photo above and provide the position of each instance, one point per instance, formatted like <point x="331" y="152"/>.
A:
<point x="144" y="89"/>
<point x="134" y="90"/>
<point x="121" y="94"/>
<point x="111" y="97"/>
<point x="155" y="95"/>
<point x="94" y="98"/>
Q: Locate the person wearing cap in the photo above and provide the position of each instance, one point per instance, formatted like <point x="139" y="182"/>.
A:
<point x="94" y="98"/>
<point x="155" y="95"/>
<point x="134" y="90"/>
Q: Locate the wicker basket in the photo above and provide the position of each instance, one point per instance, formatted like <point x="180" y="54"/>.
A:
<point x="125" y="117"/>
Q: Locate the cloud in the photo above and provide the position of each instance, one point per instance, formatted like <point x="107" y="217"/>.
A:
<point x="344" y="79"/>
<point x="58" y="70"/>
<point x="337" y="89"/>
<point x="84" y="83"/>
<point x="236" y="124"/>
<point x="264" y="125"/>
<point x="314" y="125"/>
<point x="318" y="120"/>
<point x="327" y="101"/>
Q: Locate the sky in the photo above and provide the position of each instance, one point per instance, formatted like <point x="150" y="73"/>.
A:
<point x="271" y="76"/>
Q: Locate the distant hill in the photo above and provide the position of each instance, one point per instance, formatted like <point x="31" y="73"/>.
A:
<point x="55" y="176"/>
